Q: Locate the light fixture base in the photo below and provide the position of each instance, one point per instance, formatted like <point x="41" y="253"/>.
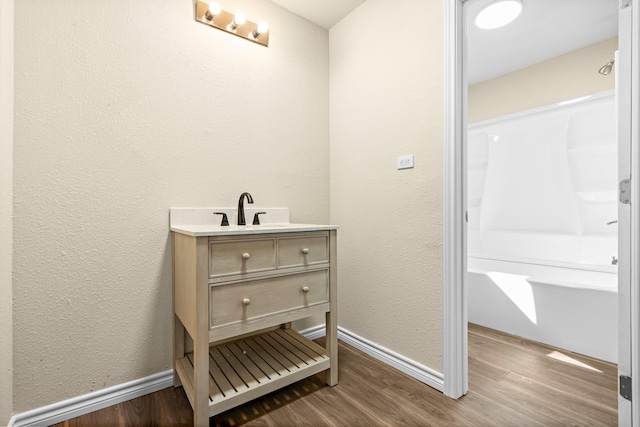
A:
<point x="224" y="21"/>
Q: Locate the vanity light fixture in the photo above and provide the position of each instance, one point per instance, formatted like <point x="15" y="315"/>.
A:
<point x="498" y="13"/>
<point x="211" y="14"/>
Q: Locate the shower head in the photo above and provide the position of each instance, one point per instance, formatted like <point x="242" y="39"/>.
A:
<point x="606" y="69"/>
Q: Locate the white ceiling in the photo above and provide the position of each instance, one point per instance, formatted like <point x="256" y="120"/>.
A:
<point x="325" y="13"/>
<point x="545" y="29"/>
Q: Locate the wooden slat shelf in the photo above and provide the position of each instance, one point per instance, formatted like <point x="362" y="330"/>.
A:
<point x="241" y="370"/>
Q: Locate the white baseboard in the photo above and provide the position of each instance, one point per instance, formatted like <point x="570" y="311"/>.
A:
<point x="314" y="332"/>
<point x="81" y="405"/>
<point x="414" y="369"/>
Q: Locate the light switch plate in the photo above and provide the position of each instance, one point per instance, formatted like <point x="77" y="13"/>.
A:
<point x="405" y="162"/>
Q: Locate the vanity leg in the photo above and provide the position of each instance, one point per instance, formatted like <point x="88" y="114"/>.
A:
<point x="201" y="338"/>
<point x="178" y="347"/>
<point x="331" y="345"/>
<point x="201" y="383"/>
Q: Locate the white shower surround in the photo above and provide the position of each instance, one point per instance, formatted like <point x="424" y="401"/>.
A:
<point x="542" y="186"/>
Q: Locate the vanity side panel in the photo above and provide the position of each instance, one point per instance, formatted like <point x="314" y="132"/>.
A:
<point x="178" y="328"/>
<point x="184" y="280"/>
<point x="190" y="287"/>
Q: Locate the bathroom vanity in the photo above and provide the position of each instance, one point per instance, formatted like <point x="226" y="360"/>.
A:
<point x="235" y="291"/>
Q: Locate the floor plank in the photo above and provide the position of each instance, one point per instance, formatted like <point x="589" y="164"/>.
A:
<point x="513" y="382"/>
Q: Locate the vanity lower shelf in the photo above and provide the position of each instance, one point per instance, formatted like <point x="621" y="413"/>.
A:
<point x="242" y="370"/>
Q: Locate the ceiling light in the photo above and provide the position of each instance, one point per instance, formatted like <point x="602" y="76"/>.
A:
<point x="498" y="14"/>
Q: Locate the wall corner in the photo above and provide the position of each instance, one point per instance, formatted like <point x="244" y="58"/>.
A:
<point x="6" y="209"/>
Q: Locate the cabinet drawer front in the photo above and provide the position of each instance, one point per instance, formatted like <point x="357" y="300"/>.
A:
<point x="241" y="256"/>
<point x="307" y="250"/>
<point x="239" y="302"/>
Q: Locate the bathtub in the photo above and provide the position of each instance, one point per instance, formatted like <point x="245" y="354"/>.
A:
<point x="571" y="306"/>
<point x="542" y="195"/>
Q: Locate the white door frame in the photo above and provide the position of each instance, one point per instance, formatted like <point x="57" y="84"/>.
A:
<point x="455" y="345"/>
<point x="635" y="207"/>
<point x="624" y="106"/>
<point x="454" y="260"/>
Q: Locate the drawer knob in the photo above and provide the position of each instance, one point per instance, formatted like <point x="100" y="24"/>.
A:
<point x="246" y="302"/>
<point x="246" y="256"/>
<point x="305" y="289"/>
<point x="305" y="251"/>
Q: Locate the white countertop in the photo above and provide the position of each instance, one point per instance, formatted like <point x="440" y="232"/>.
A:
<point x="199" y="222"/>
<point x="217" y="230"/>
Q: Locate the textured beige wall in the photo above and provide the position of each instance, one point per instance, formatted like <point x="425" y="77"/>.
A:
<point x="124" y="109"/>
<point x="565" y="77"/>
<point x="6" y="195"/>
<point x="386" y="101"/>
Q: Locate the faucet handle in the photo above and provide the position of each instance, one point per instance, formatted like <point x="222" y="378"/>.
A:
<point x="256" y="218"/>
<point x="225" y="220"/>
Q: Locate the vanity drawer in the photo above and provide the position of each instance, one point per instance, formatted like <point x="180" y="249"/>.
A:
<point x="252" y="299"/>
<point x="241" y="256"/>
<point x="303" y="250"/>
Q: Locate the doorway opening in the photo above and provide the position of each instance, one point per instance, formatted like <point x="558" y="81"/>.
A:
<point x="456" y="290"/>
<point x="542" y="181"/>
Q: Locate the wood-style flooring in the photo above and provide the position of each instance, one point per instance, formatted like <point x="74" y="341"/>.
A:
<point x="513" y="382"/>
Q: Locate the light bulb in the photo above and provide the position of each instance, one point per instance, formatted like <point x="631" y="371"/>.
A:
<point x="498" y="14"/>
<point x="214" y="10"/>
<point x="262" y="28"/>
<point x="239" y="19"/>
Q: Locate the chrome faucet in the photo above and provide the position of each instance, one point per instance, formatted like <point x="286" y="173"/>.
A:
<point x="241" y="220"/>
